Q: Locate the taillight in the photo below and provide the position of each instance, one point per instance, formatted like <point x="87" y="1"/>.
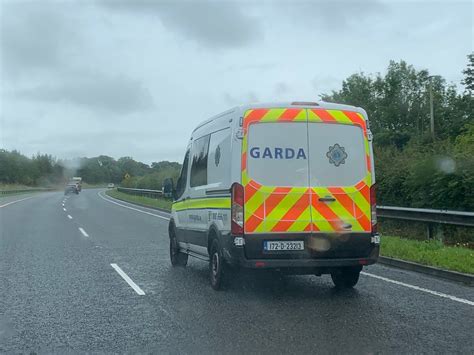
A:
<point x="373" y="208"/>
<point x="237" y="210"/>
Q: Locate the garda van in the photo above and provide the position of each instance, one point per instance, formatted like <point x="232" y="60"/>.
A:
<point x="286" y="186"/>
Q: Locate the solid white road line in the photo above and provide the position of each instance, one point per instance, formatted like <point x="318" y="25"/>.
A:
<point x="132" y="208"/>
<point x="83" y="232"/>
<point x="128" y="279"/>
<point x="435" y="293"/>
<point x="69" y="216"/>
<point x="12" y="202"/>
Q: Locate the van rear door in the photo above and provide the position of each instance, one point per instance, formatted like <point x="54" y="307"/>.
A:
<point x="339" y="171"/>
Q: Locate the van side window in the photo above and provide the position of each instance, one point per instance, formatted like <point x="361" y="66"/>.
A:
<point x="199" y="161"/>
<point x="218" y="165"/>
<point x="181" y="183"/>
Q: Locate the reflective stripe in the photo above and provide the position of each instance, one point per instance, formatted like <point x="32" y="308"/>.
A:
<point x="340" y="117"/>
<point x="277" y="214"/>
<point x="273" y="115"/>
<point x="202" y="203"/>
<point x="342" y="207"/>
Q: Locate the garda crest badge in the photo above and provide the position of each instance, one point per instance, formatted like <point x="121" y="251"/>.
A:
<point x="337" y="155"/>
<point x="217" y="155"/>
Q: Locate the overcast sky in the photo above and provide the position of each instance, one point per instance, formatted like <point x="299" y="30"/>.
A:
<point x="133" y="78"/>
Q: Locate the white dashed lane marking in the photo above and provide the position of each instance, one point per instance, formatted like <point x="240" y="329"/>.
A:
<point x="84" y="233"/>
<point x="69" y="216"/>
<point x="130" y="282"/>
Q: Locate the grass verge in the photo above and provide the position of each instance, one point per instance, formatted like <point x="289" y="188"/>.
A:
<point x="17" y="193"/>
<point x="431" y="253"/>
<point x="146" y="201"/>
<point x="10" y="187"/>
<point x="85" y="185"/>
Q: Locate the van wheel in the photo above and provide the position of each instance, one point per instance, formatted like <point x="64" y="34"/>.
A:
<point x="217" y="266"/>
<point x="346" y="277"/>
<point x="176" y="256"/>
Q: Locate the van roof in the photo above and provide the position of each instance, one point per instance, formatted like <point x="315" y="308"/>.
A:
<point x="299" y="104"/>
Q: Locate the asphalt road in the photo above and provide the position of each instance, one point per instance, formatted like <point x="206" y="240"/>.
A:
<point x="61" y="291"/>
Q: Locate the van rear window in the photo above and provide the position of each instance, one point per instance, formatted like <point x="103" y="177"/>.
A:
<point x="277" y="153"/>
<point x="337" y="154"/>
<point x="300" y="154"/>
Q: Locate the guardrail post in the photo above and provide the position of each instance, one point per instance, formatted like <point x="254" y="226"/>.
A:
<point x="429" y="230"/>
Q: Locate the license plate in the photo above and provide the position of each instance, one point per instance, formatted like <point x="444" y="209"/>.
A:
<point x="275" y="245"/>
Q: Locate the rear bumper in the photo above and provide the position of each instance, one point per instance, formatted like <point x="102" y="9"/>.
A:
<point x="339" y="251"/>
<point x="304" y="263"/>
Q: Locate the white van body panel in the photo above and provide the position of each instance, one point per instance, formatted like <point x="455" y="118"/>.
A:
<point x="225" y="131"/>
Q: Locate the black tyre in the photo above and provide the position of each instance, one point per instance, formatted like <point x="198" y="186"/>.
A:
<point x="217" y="266"/>
<point x="346" y="277"/>
<point x="176" y="256"/>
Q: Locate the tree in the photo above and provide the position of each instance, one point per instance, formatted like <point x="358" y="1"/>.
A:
<point x="468" y="80"/>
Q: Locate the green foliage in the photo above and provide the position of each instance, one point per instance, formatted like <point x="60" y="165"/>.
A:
<point x="44" y="170"/>
<point x="398" y="103"/>
<point x="101" y="169"/>
<point x="153" y="180"/>
<point x="432" y="253"/>
<point x="468" y="80"/>
<point x="448" y="234"/>
<point x="428" y="175"/>
<point x="41" y="169"/>
<point x="412" y="169"/>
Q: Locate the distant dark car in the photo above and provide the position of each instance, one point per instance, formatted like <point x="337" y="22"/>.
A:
<point x="71" y="187"/>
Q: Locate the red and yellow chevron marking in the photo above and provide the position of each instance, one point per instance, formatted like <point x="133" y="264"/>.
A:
<point x="298" y="209"/>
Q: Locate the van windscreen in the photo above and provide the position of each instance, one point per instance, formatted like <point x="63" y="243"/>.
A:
<point x="277" y="153"/>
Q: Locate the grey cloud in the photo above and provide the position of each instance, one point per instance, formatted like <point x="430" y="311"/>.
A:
<point x="33" y="36"/>
<point x="323" y="84"/>
<point x="281" y="88"/>
<point x="251" y="67"/>
<point x="232" y="100"/>
<point x="212" y="24"/>
<point x="120" y="95"/>
<point x="332" y="15"/>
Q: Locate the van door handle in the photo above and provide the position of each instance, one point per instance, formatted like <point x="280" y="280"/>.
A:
<point x="327" y="199"/>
